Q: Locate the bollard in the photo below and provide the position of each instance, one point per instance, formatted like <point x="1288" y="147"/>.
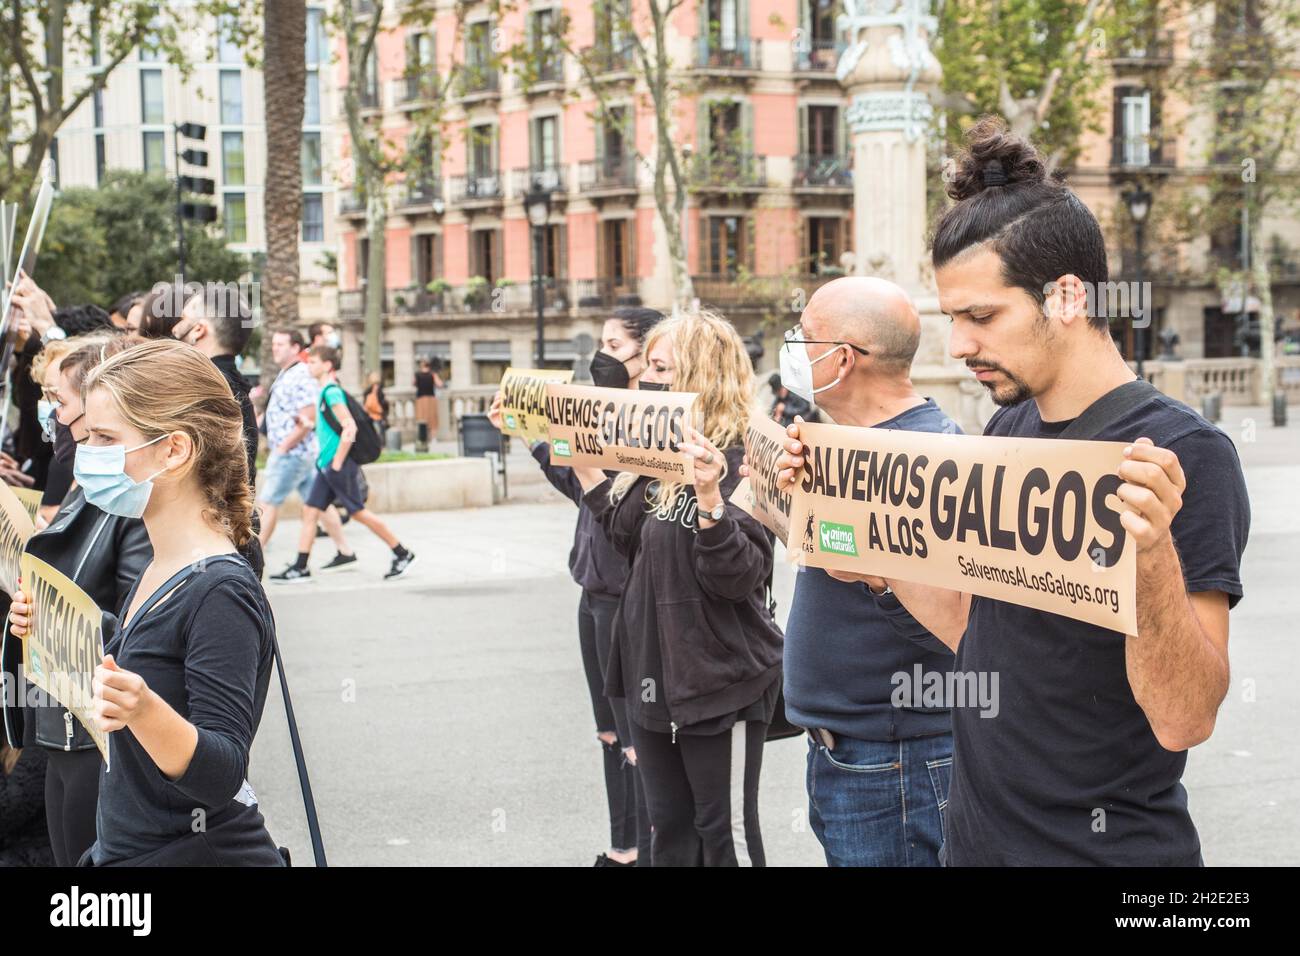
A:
<point x="1212" y="406"/>
<point x="1279" y="409"/>
<point x="422" y="437"/>
<point x="393" y="439"/>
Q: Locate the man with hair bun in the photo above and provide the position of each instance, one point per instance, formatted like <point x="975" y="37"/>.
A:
<point x="1083" y="763"/>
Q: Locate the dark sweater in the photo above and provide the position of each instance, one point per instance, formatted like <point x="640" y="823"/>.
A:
<point x="693" y="643"/>
<point x="206" y="651"/>
<point x="843" y="645"/>
<point x="240" y="388"/>
<point x="593" y="562"/>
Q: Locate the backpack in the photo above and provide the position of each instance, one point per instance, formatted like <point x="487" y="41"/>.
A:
<point x="367" y="446"/>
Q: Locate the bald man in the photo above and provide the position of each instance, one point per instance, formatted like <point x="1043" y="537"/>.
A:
<point x="878" y="769"/>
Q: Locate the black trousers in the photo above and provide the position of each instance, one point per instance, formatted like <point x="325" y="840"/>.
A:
<point x="629" y="824"/>
<point x="702" y="794"/>
<point x="71" y="794"/>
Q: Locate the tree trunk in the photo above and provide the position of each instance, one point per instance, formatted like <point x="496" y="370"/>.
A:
<point x="376" y="280"/>
<point x="286" y="84"/>
<point x="1262" y="281"/>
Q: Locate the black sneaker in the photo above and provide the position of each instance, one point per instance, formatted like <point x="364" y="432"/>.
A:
<point x="604" y="860"/>
<point x="340" y="562"/>
<point x="400" y="566"/>
<point x="292" y="575"/>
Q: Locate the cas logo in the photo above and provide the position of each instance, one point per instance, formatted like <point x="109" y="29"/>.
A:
<point x="838" y="538"/>
<point x="809" y="544"/>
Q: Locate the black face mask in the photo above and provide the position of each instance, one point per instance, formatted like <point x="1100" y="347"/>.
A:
<point x="65" y="446"/>
<point x="608" y="372"/>
<point x="654" y="386"/>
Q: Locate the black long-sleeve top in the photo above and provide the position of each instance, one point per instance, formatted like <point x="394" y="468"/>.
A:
<point x="593" y="561"/>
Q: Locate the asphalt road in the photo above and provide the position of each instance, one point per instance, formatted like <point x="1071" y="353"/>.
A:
<point x="446" y="719"/>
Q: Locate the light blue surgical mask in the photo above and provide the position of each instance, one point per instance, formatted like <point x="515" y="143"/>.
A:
<point x="100" y="470"/>
<point x="45" y="415"/>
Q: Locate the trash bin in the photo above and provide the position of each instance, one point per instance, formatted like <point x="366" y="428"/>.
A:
<point x="478" y="438"/>
<point x="1212" y="406"/>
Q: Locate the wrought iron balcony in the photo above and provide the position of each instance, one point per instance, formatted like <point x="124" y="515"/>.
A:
<point x="736" y="54"/>
<point x="820" y="56"/>
<point x="610" y="172"/>
<point x="728" y="171"/>
<point x="554" y="179"/>
<point x="485" y="185"/>
<point x="822" y="171"/>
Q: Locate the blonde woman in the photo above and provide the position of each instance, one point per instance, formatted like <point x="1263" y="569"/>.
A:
<point x="184" y="678"/>
<point x="695" y="651"/>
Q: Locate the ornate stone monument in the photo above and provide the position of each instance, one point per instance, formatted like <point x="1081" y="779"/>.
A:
<point x="888" y="70"/>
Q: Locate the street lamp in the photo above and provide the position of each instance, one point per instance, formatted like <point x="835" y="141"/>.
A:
<point x="1138" y="200"/>
<point x="538" y="203"/>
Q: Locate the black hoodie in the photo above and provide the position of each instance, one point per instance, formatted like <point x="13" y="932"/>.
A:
<point x="694" y="645"/>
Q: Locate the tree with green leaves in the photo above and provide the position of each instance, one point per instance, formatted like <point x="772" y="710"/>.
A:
<point x="1243" y="81"/>
<point x="45" y="44"/>
<point x="1037" y="63"/>
<point x="376" y="158"/>
<point x="82" y="261"/>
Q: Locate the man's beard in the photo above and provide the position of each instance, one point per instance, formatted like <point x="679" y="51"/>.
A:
<point x="1015" y="391"/>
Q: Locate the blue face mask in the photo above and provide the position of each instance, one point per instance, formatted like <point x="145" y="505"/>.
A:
<point x="100" y="470"/>
<point x="45" y="415"/>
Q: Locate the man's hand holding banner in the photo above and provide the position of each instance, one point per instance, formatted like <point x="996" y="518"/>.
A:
<point x="619" y="429"/>
<point x="1031" y="522"/>
<point x="760" y="495"/>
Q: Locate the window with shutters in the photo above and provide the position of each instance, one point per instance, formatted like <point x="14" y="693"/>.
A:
<point x="726" y="245"/>
<point x="1136" y="126"/>
<point x="616" y="251"/>
<point x="825" y="234"/>
<point x="823" y="130"/>
<point x="484" y="245"/>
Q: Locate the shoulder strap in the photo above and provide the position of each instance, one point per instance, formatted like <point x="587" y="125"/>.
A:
<point x="1108" y="409"/>
<point x="330" y="418"/>
<point x="308" y="801"/>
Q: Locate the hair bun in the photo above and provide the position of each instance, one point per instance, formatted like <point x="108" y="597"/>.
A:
<point x="994" y="157"/>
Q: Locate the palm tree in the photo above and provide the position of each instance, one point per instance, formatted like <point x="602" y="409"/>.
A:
<point x="286" y="83"/>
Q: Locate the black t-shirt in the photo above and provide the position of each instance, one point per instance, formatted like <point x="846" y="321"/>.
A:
<point x="1069" y="771"/>
<point x="206" y="651"/>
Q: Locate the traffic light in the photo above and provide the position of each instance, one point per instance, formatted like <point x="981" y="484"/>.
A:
<point x="186" y="211"/>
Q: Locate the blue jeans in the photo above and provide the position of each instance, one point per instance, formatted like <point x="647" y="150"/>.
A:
<point x="880" y="803"/>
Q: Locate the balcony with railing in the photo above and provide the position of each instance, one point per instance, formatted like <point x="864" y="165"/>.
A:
<point x="819" y="56"/>
<point x="820" y="172"/>
<point x="727" y="170"/>
<point x="1143" y="152"/>
<point x="553" y="179"/>
<point x="352" y="304"/>
<point x="549" y="70"/>
<point x="480" y="187"/>
<point x="419" y="300"/>
<point x="506" y="296"/>
<point x="414" y="91"/>
<point x="478" y="81"/>
<point x="606" y="293"/>
<point x="739" y="54"/>
<point x="604" y="59"/>
<point x="609" y="174"/>
<point x="743" y="289"/>
<point x="351" y="204"/>
<point x="1155" y="48"/>
<point x="424" y="191"/>
<point x="369" y="99"/>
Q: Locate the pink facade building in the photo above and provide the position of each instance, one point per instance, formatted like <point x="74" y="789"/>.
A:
<point x="760" y="122"/>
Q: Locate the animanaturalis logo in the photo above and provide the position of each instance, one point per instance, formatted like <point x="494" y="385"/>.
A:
<point x="561" y="447"/>
<point x="510" y="422"/>
<point x="838" y="538"/>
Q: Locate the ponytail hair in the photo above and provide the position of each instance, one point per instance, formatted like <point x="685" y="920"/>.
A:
<point x="162" y="386"/>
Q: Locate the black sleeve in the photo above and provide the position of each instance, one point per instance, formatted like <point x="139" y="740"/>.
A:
<point x="622" y="521"/>
<point x="904" y="625"/>
<point x="733" y="557"/>
<point x="223" y="649"/>
<point x="1211" y="528"/>
<point x="561" y="477"/>
<point x="250" y="434"/>
<point x="58" y="482"/>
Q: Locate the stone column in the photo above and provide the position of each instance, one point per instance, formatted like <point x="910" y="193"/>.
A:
<point x="888" y="71"/>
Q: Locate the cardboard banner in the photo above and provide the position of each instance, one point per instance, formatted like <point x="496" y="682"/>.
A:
<point x="758" y="494"/>
<point x="1029" y="521"/>
<point x="620" y="429"/>
<point x="15" y="528"/>
<point x="65" y="642"/>
<point x="30" y="498"/>
<point x="523" y="400"/>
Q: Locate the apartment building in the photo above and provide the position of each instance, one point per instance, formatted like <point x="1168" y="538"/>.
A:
<point x="130" y="125"/>
<point x="760" y="120"/>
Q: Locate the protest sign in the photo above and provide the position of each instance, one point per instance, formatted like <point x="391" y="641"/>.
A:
<point x="15" y="528"/>
<point x="30" y="498"/>
<point x="767" y="502"/>
<point x="523" y="400"/>
<point x="621" y="429"/>
<point x="1030" y="521"/>
<point x="65" y="642"/>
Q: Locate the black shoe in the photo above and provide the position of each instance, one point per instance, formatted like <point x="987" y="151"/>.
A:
<point x="340" y="562"/>
<point x="344" y="516"/>
<point x="400" y="566"/>
<point x="604" y="860"/>
<point x="292" y="575"/>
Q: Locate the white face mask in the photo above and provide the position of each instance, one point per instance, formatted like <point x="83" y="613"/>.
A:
<point x="796" y="367"/>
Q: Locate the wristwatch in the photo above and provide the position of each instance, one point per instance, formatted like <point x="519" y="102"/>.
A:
<point x="53" y="332"/>
<point x="717" y="513"/>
